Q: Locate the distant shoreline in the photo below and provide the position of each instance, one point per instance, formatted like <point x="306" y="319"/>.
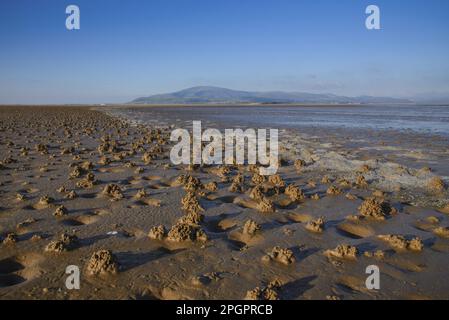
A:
<point x="121" y="105"/>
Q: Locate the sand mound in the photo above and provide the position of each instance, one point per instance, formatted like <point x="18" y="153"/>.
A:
<point x="66" y="242"/>
<point x="157" y="232"/>
<point x="147" y="157"/>
<point x="102" y="262"/>
<point x="276" y="180"/>
<point x="257" y="179"/>
<point x="113" y="191"/>
<point x="56" y="247"/>
<point x="326" y="180"/>
<point x="26" y="223"/>
<point x="239" y="178"/>
<point x="88" y="182"/>
<point x="235" y="187"/>
<point x="76" y="172"/>
<point x="442" y="232"/>
<point x="256" y="193"/>
<point x="45" y="201"/>
<point x="41" y="148"/>
<point x="20" y="197"/>
<point x="251" y="227"/>
<point x="270" y="292"/>
<point x="211" y="186"/>
<point x="189" y="182"/>
<point x="107" y="146"/>
<point x="140" y="194"/>
<point x="315" y="197"/>
<point x="333" y="191"/>
<point x="185" y="232"/>
<point x="378" y="194"/>
<point x="60" y="211"/>
<point x="192" y="218"/>
<point x="281" y="255"/>
<point x="87" y="165"/>
<point x="345" y="183"/>
<point x="342" y="251"/>
<point x="375" y="208"/>
<point x="299" y="164"/>
<point x="71" y="195"/>
<point x="222" y="172"/>
<point x="265" y="205"/>
<point x="11" y="238"/>
<point x="294" y="192"/>
<point x="61" y="189"/>
<point x="401" y="243"/>
<point x="361" y="181"/>
<point x="316" y="225"/>
<point x="378" y="254"/>
<point x="190" y="203"/>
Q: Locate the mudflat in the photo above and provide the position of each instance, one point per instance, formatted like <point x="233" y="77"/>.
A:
<point x="81" y="187"/>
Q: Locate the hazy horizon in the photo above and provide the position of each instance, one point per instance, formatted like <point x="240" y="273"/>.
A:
<point x="128" y="50"/>
<point x="439" y="100"/>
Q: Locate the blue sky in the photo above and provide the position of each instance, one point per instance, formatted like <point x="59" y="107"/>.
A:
<point x="127" y="49"/>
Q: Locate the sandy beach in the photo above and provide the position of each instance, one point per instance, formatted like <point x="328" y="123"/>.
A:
<point x="80" y="186"/>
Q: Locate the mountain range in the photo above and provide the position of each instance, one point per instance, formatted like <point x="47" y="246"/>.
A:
<point x="216" y="95"/>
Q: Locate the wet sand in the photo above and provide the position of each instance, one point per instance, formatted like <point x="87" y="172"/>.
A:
<point x="80" y="187"/>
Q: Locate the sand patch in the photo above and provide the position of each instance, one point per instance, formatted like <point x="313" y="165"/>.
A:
<point x="352" y="284"/>
<point x="81" y="220"/>
<point x="19" y="269"/>
<point x="149" y="202"/>
<point x="406" y="265"/>
<point x="355" y="230"/>
<point x="299" y="217"/>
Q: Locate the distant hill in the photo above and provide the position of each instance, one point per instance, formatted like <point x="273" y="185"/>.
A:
<point x="206" y="94"/>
